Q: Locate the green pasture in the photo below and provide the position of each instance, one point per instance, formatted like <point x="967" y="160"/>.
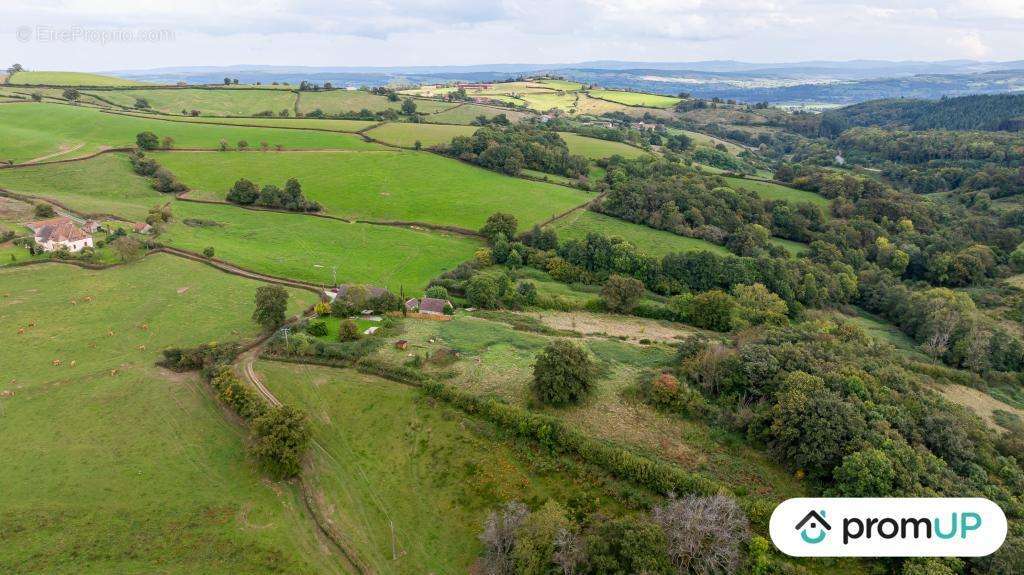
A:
<point x="135" y="470"/>
<point x="294" y="245"/>
<point x="325" y="124"/>
<point x="635" y="98"/>
<point x="773" y="191"/>
<point x="30" y="131"/>
<point x="794" y="248"/>
<point x="390" y="185"/>
<point x="596" y="149"/>
<point x="466" y="113"/>
<point x="648" y="240"/>
<point x="68" y="79"/>
<point x="406" y="135"/>
<point x="209" y="101"/>
<point x="101" y="185"/>
<point x="411" y="482"/>
<point x="343" y="101"/>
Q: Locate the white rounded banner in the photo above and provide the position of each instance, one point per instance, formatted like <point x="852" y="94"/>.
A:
<point x="887" y="527"/>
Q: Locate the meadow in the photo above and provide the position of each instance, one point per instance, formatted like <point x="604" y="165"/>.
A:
<point x="794" y="248"/>
<point x="135" y="470"/>
<point x="68" y="79"/>
<point x="596" y="149"/>
<point x="390" y="185"/>
<point x="307" y="248"/>
<point x="343" y="101"/>
<point x="101" y="185"/>
<point x="29" y="131"/>
<point x="650" y="241"/>
<point x="496" y="361"/>
<point x="406" y="135"/>
<point x="773" y="191"/>
<point x="635" y="98"/>
<point x="710" y="141"/>
<point x="466" y="113"/>
<point x="409" y="481"/>
<point x="331" y="125"/>
<point x="209" y="101"/>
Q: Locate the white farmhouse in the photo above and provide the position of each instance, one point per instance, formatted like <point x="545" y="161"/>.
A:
<point x="57" y="233"/>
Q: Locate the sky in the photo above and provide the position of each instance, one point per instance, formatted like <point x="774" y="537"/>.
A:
<point x="95" y="35"/>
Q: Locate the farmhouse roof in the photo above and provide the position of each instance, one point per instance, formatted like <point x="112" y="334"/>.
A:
<point x="141" y="227"/>
<point x="61" y="232"/>
<point x="432" y="305"/>
<point x="372" y="291"/>
<point x="35" y="226"/>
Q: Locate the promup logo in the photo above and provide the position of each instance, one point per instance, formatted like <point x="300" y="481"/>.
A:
<point x="888" y="527"/>
<point x="814" y="521"/>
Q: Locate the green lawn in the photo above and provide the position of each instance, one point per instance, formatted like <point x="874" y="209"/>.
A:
<point x="101" y="185"/>
<point x="138" y="471"/>
<point x="406" y="135"/>
<point x="343" y="101"/>
<point x="209" y="101"/>
<point x="291" y="245"/>
<point x="635" y="98"/>
<point x="648" y="240"/>
<point x="69" y="79"/>
<point x="30" y="131"/>
<point x="391" y="185"/>
<point x="411" y="482"/>
<point x="772" y="191"/>
<point x="596" y="149"/>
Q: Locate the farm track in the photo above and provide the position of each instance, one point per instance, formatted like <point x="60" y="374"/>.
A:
<point x="338" y="540"/>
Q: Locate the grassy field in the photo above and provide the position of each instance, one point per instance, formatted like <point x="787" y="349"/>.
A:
<point x="710" y="141"/>
<point x="406" y="135"/>
<point x="393" y="465"/>
<point x="795" y="248"/>
<point x="342" y="101"/>
<point x="292" y="245"/>
<point x="136" y="471"/>
<point x="635" y="98"/>
<point x="566" y="85"/>
<point x="30" y="131"/>
<point x="596" y="149"/>
<point x="466" y="113"/>
<point x="391" y="185"/>
<point x="496" y="361"/>
<point x="298" y="123"/>
<point x="772" y="191"/>
<point x="544" y="101"/>
<point x="209" y="102"/>
<point x="101" y="185"/>
<point x="648" y="240"/>
<point x="69" y="79"/>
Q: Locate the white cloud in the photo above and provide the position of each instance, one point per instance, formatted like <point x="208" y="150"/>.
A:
<point x="971" y="44"/>
<point x="407" y="32"/>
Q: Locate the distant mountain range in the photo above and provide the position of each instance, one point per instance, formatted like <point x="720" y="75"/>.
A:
<point x="797" y="83"/>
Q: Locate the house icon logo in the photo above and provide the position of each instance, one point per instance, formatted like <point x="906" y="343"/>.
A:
<point x="813" y="522"/>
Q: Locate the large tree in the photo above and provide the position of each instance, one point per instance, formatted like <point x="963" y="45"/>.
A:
<point x="499" y="223"/>
<point x="271" y="306"/>
<point x="563" y="374"/>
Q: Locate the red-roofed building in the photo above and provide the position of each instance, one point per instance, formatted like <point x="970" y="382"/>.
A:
<point x="57" y="233"/>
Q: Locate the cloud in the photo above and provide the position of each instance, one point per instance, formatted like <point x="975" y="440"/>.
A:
<point x="971" y="44"/>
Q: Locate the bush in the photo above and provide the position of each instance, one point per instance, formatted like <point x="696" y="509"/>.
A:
<point x="317" y="329"/>
<point x="621" y="293"/>
<point x="280" y="437"/>
<point x="348" y="330"/>
<point x="482" y="290"/>
<point x="437" y="292"/>
<point x="711" y="310"/>
<point x="147" y="141"/>
<point x="208" y="251"/>
<point x="628" y="545"/>
<point x="44" y="210"/>
<point x="563" y="374"/>
<point x="704" y="534"/>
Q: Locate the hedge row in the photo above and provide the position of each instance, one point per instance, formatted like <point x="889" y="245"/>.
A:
<point x="553" y="434"/>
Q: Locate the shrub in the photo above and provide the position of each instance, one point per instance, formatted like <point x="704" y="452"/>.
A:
<point x="704" y="534"/>
<point x="562" y="374"/>
<point x="628" y="545"/>
<point x="348" y="330"/>
<point x="500" y="224"/>
<point x="482" y="290"/>
<point x="621" y="293"/>
<point x="44" y="210"/>
<point x="147" y="141"/>
<point x="317" y="329"/>
<point x="280" y="437"/>
<point x="711" y="310"/>
<point x="208" y="251"/>
<point x="437" y="292"/>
